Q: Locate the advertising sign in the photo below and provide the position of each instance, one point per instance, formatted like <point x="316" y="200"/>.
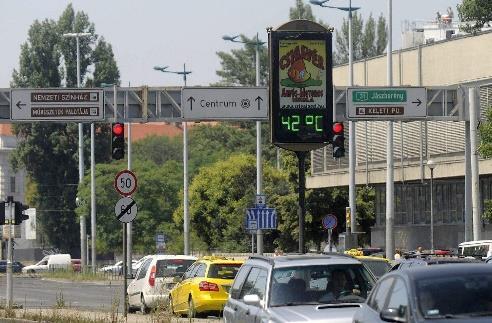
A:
<point x="302" y="104"/>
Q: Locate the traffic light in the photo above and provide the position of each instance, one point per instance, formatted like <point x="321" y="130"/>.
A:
<point x="19" y="213"/>
<point x="2" y="213"/>
<point x="338" y="140"/>
<point x="118" y="140"/>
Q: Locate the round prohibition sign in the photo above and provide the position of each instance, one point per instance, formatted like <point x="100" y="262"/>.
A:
<point x="126" y="209"/>
<point x="125" y="182"/>
<point x="330" y="222"/>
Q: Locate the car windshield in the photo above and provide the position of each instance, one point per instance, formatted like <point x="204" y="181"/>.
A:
<point x="378" y="268"/>
<point x="455" y="295"/>
<point x="172" y="267"/>
<point x="223" y="271"/>
<point x="320" y="284"/>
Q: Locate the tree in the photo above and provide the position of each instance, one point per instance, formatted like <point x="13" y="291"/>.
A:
<point x="301" y="11"/>
<point x="239" y="66"/>
<point x="48" y="151"/>
<point x="368" y="41"/>
<point x="475" y="14"/>
<point x="219" y="196"/>
<point x="156" y="197"/>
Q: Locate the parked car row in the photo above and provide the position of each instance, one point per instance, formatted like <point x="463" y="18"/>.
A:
<point x="327" y="287"/>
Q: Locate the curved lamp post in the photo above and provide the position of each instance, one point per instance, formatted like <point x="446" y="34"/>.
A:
<point x="186" y="218"/>
<point x="257" y="43"/>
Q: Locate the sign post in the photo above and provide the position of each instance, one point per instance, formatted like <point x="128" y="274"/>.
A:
<point x="386" y="103"/>
<point x="224" y="103"/>
<point x="84" y="105"/>
<point x="329" y="223"/>
<point x="301" y="94"/>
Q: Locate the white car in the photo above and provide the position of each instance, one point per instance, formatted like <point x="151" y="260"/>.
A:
<point x="50" y="262"/>
<point x="155" y="279"/>
<point x="117" y="268"/>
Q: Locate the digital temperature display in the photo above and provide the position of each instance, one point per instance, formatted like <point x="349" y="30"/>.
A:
<point x="301" y="89"/>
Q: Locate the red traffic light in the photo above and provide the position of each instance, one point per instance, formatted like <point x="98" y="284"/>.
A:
<point x="338" y="128"/>
<point x="118" y="129"/>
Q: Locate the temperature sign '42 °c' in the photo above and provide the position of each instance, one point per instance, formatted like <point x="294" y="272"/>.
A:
<point x="302" y="112"/>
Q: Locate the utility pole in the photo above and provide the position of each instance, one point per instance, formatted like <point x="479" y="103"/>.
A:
<point x="477" y="219"/>
<point x="259" y="183"/>
<point x="10" y="252"/>
<point x="390" y="185"/>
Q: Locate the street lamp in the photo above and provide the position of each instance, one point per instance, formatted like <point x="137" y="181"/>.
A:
<point x="83" y="246"/>
<point x="186" y="218"/>
<point x="352" y="195"/>
<point x="257" y="43"/>
<point x="431" y="164"/>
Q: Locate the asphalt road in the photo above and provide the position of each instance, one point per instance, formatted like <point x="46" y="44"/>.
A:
<point x="81" y="297"/>
<point x="40" y="293"/>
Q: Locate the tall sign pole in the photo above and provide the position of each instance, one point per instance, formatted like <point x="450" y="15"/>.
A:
<point x="352" y="143"/>
<point x="259" y="176"/>
<point x="301" y="94"/>
<point x="10" y="253"/>
<point x="390" y="185"/>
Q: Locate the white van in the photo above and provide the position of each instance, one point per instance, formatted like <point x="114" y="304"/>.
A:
<point x="50" y="262"/>
<point x="481" y="249"/>
<point x="155" y="279"/>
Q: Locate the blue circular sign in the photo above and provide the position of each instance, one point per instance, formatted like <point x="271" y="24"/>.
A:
<point x="330" y="221"/>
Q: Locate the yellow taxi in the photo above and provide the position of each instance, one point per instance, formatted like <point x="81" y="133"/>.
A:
<point x="204" y="287"/>
<point x="377" y="265"/>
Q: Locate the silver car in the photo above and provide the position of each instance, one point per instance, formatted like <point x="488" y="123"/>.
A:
<point x="298" y="288"/>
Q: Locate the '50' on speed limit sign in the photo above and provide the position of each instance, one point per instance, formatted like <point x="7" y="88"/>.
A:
<point x="125" y="182"/>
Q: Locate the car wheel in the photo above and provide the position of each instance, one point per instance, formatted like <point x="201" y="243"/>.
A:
<point x="143" y="307"/>
<point x="191" y="308"/>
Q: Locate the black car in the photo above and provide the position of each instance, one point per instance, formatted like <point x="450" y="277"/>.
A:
<point x="447" y="293"/>
<point x="431" y="260"/>
<point x="16" y="266"/>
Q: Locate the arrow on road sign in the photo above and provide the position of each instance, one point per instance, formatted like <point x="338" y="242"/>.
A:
<point x="191" y="100"/>
<point x="259" y="99"/>
<point x="132" y="203"/>
<point x="419" y="102"/>
<point x="19" y="104"/>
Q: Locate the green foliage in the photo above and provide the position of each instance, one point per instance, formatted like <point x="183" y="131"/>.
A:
<point x="239" y="66"/>
<point x="105" y="67"/>
<point x="49" y="151"/>
<point x="368" y="41"/>
<point x="156" y="199"/>
<point x="475" y="14"/>
<point x="219" y="196"/>
<point x="485" y="129"/>
<point x="487" y="214"/>
<point x="301" y="11"/>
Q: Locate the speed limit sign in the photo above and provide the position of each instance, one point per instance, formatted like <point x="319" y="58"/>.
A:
<point x="125" y="182"/>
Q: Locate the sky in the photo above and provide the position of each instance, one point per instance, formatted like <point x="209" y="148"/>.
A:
<point x="146" y="33"/>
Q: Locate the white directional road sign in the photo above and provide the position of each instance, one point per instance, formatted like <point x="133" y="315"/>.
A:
<point x="125" y="209"/>
<point x="125" y="182"/>
<point x="386" y="103"/>
<point x="57" y="104"/>
<point x="224" y="103"/>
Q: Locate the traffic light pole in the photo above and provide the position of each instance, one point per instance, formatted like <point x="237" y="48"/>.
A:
<point x="10" y="253"/>
<point x="301" y="156"/>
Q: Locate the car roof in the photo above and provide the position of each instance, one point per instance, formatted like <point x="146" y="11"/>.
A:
<point x="163" y="257"/>
<point x="371" y="258"/>
<point x="446" y="270"/>
<point x="306" y="260"/>
<point x="220" y="260"/>
<point x="437" y="260"/>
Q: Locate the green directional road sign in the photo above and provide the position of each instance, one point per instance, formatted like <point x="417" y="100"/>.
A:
<point x="386" y="103"/>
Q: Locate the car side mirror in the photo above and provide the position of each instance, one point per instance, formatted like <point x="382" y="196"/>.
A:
<point x="252" y="300"/>
<point x="393" y="315"/>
